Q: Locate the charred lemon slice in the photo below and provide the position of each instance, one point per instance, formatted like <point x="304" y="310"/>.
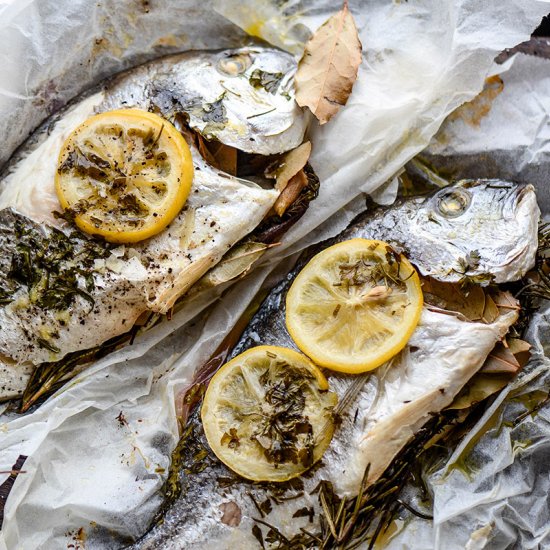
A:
<point x="124" y="175"/>
<point x="268" y="414"/>
<point x="354" y="305"/>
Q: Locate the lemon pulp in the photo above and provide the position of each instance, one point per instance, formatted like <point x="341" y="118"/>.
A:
<point x="354" y="305"/>
<point x="267" y="414"/>
<point x="124" y="175"/>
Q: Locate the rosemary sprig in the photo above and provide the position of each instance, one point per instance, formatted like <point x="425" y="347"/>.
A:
<point x="536" y="285"/>
<point x="49" y="377"/>
<point x="539" y="288"/>
<point x="346" y="524"/>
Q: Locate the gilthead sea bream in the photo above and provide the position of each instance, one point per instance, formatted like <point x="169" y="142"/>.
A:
<point x="60" y="290"/>
<point x="377" y="412"/>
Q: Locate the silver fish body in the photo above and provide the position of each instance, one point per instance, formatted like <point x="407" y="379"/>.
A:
<point x="381" y="410"/>
<point x="243" y="98"/>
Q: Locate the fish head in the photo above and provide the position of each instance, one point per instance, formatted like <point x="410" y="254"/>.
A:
<point x="481" y="230"/>
<point x="241" y="97"/>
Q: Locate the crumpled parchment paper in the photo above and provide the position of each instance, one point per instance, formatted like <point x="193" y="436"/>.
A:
<point x="89" y="475"/>
<point x="505" y="132"/>
<point x="493" y="491"/>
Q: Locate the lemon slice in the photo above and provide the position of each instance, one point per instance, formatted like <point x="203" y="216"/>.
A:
<point x="354" y="305"/>
<point x="267" y="414"/>
<point x="124" y="175"/>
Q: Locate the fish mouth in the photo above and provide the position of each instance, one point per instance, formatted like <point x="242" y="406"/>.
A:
<point x="523" y="190"/>
<point x="514" y="193"/>
<point x="521" y="198"/>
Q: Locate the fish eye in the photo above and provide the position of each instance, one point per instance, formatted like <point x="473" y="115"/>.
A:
<point x="234" y="65"/>
<point x="451" y="203"/>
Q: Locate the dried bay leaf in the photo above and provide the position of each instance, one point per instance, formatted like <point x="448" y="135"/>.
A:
<point x="490" y="312"/>
<point x="500" y="367"/>
<point x="521" y="350"/>
<point x="479" y="388"/>
<point x="236" y="263"/>
<point x="218" y="155"/>
<point x="501" y="361"/>
<point x="506" y="301"/>
<point x="470" y="301"/>
<point x="290" y="165"/>
<point x="215" y="153"/>
<point x="475" y="303"/>
<point x="290" y="176"/>
<point x="328" y="69"/>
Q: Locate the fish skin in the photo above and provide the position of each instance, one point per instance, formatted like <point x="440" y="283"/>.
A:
<point x="444" y="352"/>
<point x="220" y="210"/>
<point x="165" y="85"/>
<point x="126" y="283"/>
<point x="437" y="362"/>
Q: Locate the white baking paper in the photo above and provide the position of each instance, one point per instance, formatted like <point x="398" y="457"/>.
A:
<point x="89" y="475"/>
<point x="505" y="132"/>
<point x="498" y="496"/>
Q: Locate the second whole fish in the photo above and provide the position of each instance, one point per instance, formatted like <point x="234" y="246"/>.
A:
<point x="380" y="411"/>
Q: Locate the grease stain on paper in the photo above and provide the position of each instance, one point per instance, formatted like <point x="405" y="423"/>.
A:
<point x="474" y="111"/>
<point x="171" y="41"/>
<point x="77" y="539"/>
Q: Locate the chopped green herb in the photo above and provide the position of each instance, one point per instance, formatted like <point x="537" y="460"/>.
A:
<point x="268" y="81"/>
<point x="257" y="532"/>
<point x="215" y="112"/>
<point x="283" y="432"/>
<point x="53" y="267"/>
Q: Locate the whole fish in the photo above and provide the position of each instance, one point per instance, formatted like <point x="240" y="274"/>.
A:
<point x="61" y="292"/>
<point x="380" y="411"/>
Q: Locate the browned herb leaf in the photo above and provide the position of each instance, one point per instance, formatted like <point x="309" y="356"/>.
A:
<point x="266" y="506"/>
<point x="502" y="364"/>
<point x="290" y="193"/>
<point x="505" y="301"/>
<point x="328" y="69"/>
<point x="490" y="311"/>
<point x="472" y="301"/>
<point x="289" y="165"/>
<point x="468" y="300"/>
<point x="306" y="512"/>
<point x="231" y="439"/>
<point x="218" y="155"/>
<point x="257" y="532"/>
<point x="479" y="388"/>
<point x="520" y="349"/>
<point x="501" y="361"/>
